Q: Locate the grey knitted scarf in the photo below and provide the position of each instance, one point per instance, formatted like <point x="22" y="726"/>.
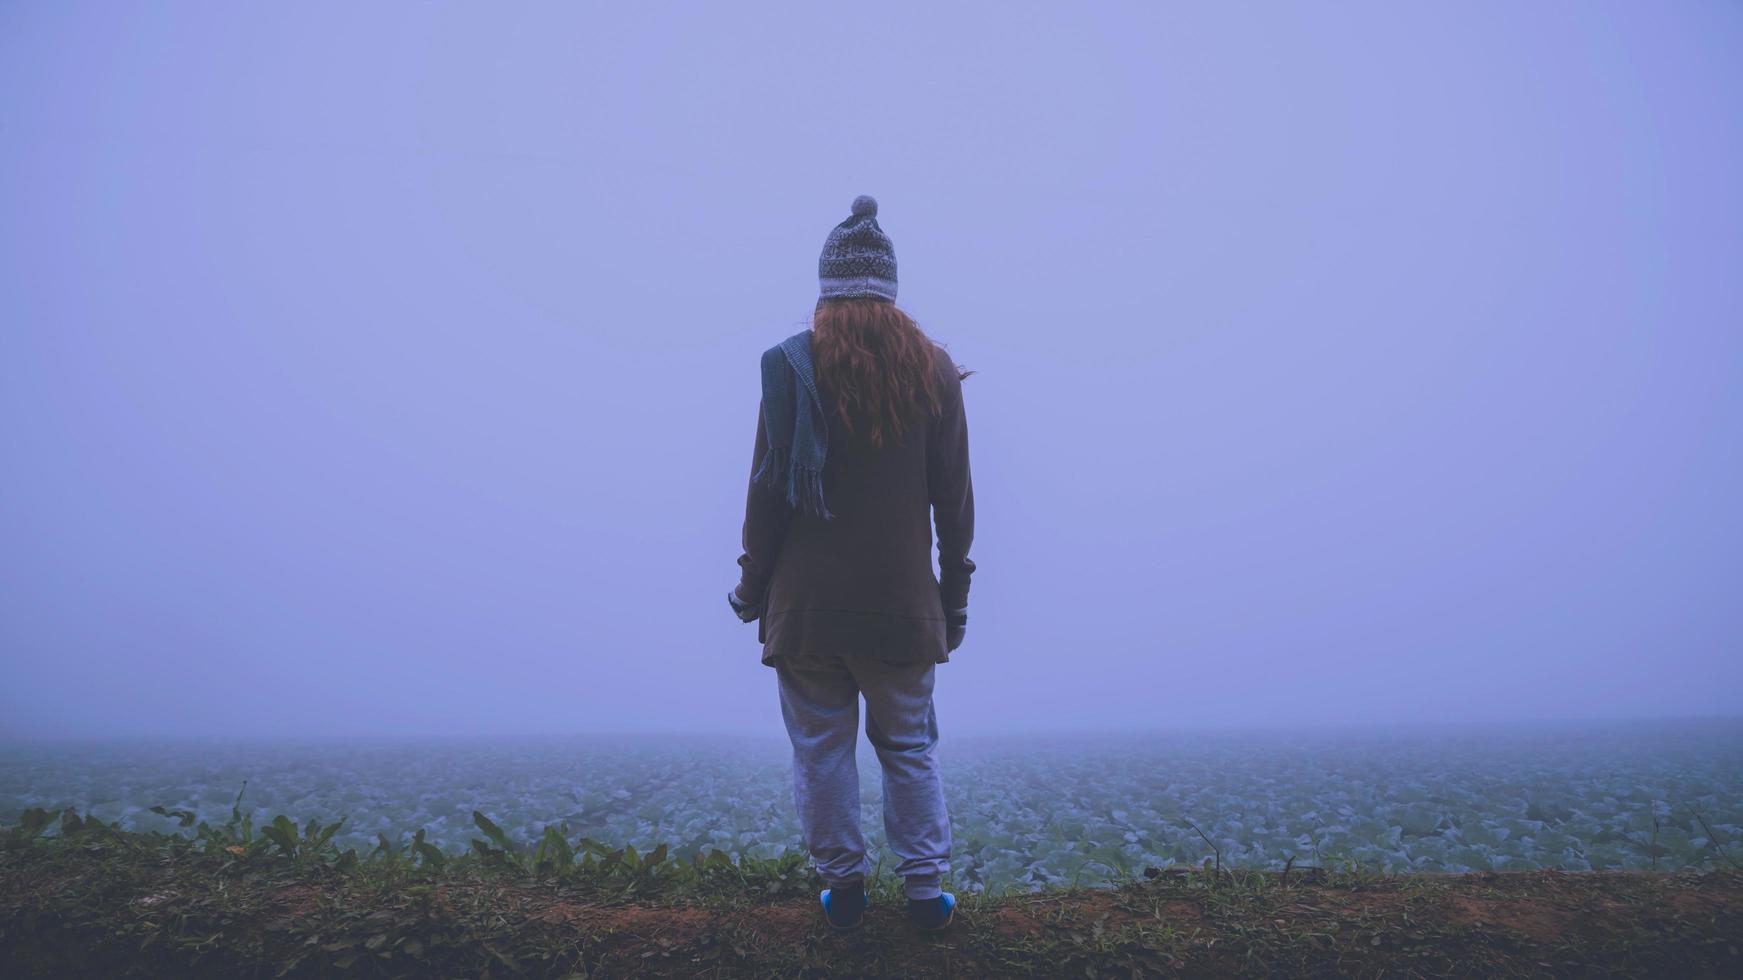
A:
<point x="798" y="430"/>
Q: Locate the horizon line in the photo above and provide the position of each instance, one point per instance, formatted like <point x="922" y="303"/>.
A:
<point x="972" y="733"/>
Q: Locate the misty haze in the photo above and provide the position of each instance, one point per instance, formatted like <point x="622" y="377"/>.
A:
<point x="1356" y="409"/>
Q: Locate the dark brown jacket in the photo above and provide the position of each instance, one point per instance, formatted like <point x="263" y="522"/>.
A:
<point x="862" y="584"/>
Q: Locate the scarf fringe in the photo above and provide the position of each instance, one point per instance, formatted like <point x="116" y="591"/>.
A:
<point x="804" y="484"/>
<point x="774" y="464"/>
<point x="805" y="492"/>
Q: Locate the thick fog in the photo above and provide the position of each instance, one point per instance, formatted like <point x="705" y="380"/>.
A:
<point x="393" y="368"/>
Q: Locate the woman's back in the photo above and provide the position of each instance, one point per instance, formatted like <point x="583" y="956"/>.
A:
<point x="862" y="583"/>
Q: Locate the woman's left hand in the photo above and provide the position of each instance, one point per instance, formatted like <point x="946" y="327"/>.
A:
<point x="747" y="611"/>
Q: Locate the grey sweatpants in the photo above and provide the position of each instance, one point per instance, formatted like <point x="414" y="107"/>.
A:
<point x="820" y="703"/>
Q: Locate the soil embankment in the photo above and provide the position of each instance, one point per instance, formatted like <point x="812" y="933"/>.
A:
<point x="106" y="913"/>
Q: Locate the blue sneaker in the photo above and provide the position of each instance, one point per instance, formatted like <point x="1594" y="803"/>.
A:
<point x="933" y="914"/>
<point x="844" y="907"/>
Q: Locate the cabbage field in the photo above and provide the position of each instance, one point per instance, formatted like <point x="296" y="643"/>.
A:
<point x="1026" y="810"/>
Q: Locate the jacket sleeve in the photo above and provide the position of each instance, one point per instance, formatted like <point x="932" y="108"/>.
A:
<point x="766" y="516"/>
<point x="951" y="488"/>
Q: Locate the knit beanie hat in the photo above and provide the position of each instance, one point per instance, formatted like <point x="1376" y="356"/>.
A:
<point x="858" y="259"/>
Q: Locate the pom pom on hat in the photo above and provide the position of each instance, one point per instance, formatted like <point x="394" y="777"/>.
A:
<point x="865" y="205"/>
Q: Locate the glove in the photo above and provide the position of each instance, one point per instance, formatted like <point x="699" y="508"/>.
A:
<point x="955" y="625"/>
<point x="746" y="611"/>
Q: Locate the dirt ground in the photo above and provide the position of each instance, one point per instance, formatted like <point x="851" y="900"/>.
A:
<point x="159" y="920"/>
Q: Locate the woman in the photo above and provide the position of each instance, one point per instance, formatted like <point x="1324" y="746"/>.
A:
<point x="861" y="447"/>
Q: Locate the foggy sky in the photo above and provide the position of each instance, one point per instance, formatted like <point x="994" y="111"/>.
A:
<point x="393" y="368"/>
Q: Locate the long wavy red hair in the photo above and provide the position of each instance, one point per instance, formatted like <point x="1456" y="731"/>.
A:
<point x="876" y="363"/>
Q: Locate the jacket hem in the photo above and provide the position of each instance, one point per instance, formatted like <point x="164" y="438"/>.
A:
<point x="857" y="612"/>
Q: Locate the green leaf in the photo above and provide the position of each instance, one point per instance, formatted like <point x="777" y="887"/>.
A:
<point x="492" y="831"/>
<point x="432" y="855"/>
<point x="32" y="822"/>
<point x="283" y="832"/>
<point x="554" y="849"/>
<point x="326" y="834"/>
<point x="183" y="817"/>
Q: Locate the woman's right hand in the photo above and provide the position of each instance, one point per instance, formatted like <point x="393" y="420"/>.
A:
<point x="955" y="626"/>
